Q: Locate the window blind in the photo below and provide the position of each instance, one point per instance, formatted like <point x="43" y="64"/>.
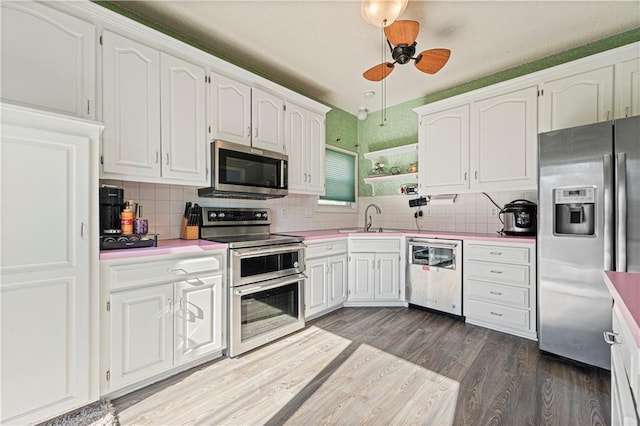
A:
<point x="339" y="176"/>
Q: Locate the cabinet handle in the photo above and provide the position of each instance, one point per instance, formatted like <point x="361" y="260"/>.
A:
<point x="82" y="228"/>
<point x="608" y="115"/>
<point x="496" y="314"/>
<point x="248" y="131"/>
<point x="309" y="177"/>
<point x="305" y="177"/>
<point x="497" y="293"/>
<point x="496" y="253"/>
<point x="256" y="132"/>
<point x="329" y="248"/>
<point x="167" y="158"/>
<point x="476" y="174"/>
<point x="626" y="111"/>
<point x="465" y="176"/>
<point x="610" y="337"/>
<point x="495" y="271"/>
<point x="176" y="270"/>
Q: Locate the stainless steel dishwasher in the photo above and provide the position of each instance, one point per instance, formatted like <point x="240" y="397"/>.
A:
<point x="434" y="274"/>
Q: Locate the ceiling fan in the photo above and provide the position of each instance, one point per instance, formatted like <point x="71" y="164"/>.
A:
<point x="401" y="38"/>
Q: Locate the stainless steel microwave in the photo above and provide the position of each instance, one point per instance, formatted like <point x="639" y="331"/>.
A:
<point x="240" y="171"/>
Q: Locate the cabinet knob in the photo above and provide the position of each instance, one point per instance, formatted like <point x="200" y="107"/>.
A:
<point x="610" y="337"/>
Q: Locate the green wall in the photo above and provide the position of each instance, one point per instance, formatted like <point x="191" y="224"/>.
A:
<point x="402" y="122"/>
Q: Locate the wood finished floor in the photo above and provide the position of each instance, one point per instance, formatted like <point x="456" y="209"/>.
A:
<point x="380" y="366"/>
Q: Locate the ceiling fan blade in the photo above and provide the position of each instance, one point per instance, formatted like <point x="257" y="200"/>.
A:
<point x="378" y="72"/>
<point x="402" y="32"/>
<point x="431" y="61"/>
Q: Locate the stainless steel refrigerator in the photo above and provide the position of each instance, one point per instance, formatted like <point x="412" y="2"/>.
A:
<point x="588" y="222"/>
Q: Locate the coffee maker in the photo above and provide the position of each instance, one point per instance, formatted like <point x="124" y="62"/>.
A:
<point x="111" y="199"/>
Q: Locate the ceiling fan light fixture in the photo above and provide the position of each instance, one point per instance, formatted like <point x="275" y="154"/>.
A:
<point x="381" y="13"/>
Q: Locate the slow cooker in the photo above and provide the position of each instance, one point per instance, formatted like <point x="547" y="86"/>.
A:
<point x="520" y="217"/>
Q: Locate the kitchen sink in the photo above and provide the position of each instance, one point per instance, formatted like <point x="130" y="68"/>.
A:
<point x="362" y="231"/>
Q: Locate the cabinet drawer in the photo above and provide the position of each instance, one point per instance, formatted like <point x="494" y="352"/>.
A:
<point x="376" y="245"/>
<point x="626" y="350"/>
<point x="140" y="273"/>
<point x="326" y="248"/>
<point x="498" y="272"/>
<point x="496" y="314"/>
<point x="509" y="295"/>
<point x="497" y="253"/>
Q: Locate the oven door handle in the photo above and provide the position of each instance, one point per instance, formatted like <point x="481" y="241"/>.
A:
<point x="434" y="245"/>
<point x="259" y="251"/>
<point x="268" y="285"/>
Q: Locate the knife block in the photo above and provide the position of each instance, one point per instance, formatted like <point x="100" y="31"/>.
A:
<point x="189" y="232"/>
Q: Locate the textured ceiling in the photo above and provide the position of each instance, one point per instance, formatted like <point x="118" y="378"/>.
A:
<point x="321" y="48"/>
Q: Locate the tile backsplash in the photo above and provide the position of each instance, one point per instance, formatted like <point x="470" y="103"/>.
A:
<point x="163" y="206"/>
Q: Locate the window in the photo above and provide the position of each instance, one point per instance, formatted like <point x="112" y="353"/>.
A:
<point x="341" y="180"/>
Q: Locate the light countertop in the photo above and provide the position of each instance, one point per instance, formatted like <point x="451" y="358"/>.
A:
<point x="164" y="247"/>
<point x="625" y="290"/>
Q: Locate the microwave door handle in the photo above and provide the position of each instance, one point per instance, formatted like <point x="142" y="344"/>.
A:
<point x="621" y="183"/>
<point x="283" y="170"/>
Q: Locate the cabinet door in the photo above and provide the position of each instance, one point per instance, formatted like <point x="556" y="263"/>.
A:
<point x="183" y="120"/>
<point x="230" y="110"/>
<point x="48" y="59"/>
<point x="315" y="142"/>
<point x="199" y="318"/>
<point x="337" y="280"/>
<point x="628" y="88"/>
<point x="297" y="148"/>
<point x="267" y="119"/>
<point x="504" y="141"/>
<point x="315" y="292"/>
<point x="141" y="334"/>
<point x="131" y="100"/>
<point x="387" y="285"/>
<point x="361" y="276"/>
<point x="44" y="282"/>
<point x="444" y="151"/>
<point x="579" y="99"/>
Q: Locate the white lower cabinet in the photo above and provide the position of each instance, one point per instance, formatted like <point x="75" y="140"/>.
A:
<point x="374" y="271"/>
<point x="625" y="373"/>
<point x="499" y="287"/>
<point x="326" y="285"/>
<point x="160" y="314"/>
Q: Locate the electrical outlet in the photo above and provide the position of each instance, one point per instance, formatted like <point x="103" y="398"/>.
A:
<point x="429" y="212"/>
<point x="283" y="212"/>
<point x="493" y="212"/>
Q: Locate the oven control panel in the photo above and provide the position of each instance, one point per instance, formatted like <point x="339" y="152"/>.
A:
<point x="212" y="216"/>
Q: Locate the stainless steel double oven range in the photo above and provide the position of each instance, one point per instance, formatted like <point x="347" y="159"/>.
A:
<point x="266" y="276"/>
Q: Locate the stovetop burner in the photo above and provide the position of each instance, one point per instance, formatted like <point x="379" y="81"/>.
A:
<point x="241" y="228"/>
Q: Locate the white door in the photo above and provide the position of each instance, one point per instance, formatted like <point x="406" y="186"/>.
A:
<point x="361" y="276"/>
<point x="579" y="99"/>
<point x="48" y="59"/>
<point x="504" y="141"/>
<point x="141" y="334"/>
<point x="444" y="151"/>
<point x="267" y="118"/>
<point x="337" y="285"/>
<point x="183" y="120"/>
<point x="230" y="110"/>
<point x="198" y="317"/>
<point x="131" y="101"/>
<point x="316" y="298"/>
<point x="627" y="91"/>
<point x="297" y="148"/>
<point x="387" y="284"/>
<point x="44" y="273"/>
<point x="316" y="145"/>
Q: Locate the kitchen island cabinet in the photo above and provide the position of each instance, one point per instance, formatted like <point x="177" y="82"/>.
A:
<point x="48" y="269"/>
<point x="161" y="314"/>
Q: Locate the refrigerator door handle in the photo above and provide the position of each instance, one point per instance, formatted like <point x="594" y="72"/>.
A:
<point x="608" y="215"/>
<point x="621" y="189"/>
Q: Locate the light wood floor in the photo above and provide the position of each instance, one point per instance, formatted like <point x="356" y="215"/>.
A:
<point x="380" y="366"/>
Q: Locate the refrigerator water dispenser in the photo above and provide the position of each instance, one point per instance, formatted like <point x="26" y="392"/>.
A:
<point x="574" y="211"/>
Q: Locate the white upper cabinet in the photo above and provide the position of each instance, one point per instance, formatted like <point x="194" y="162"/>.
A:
<point x="504" y="141"/>
<point x="183" y="120"/>
<point x="154" y="115"/>
<point x="267" y="120"/>
<point x="230" y="110"/>
<point x="577" y="99"/>
<point x="305" y="144"/>
<point x="48" y="59"/>
<point x="131" y="107"/>
<point x="628" y="88"/>
<point x="444" y="150"/>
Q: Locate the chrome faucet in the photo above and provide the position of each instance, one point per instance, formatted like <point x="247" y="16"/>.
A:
<point x="367" y="223"/>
